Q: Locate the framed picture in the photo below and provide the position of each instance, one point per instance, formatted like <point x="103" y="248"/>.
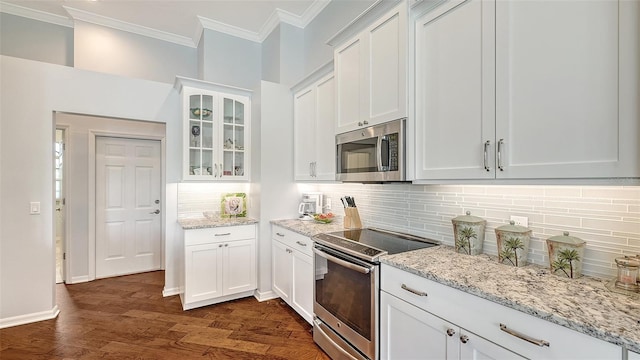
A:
<point x="233" y="205"/>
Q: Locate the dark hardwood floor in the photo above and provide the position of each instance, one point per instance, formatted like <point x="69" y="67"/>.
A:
<point x="127" y="318"/>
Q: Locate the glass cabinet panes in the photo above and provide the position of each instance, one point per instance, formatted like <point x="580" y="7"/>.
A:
<point x="234" y="135"/>
<point x="215" y="125"/>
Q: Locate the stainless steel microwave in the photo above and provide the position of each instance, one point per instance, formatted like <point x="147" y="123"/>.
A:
<point x="372" y="154"/>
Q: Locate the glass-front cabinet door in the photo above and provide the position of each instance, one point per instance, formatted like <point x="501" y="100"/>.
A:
<point x="202" y="134"/>
<point x="233" y="154"/>
<point x="216" y="132"/>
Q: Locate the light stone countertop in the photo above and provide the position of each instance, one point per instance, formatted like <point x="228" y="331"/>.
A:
<point x="213" y="220"/>
<point x="310" y="228"/>
<point x="583" y="304"/>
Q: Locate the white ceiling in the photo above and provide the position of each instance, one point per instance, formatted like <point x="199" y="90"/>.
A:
<point x="180" y="21"/>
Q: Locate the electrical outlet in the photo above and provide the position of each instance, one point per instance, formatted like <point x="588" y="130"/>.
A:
<point x="34" y="208"/>
<point x="520" y="220"/>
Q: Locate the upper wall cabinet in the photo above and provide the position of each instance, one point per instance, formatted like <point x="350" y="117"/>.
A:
<point x="314" y="121"/>
<point x="528" y="90"/>
<point x="371" y="73"/>
<point x="216" y="129"/>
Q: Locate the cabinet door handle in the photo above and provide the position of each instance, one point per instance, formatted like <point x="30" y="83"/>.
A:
<point x="464" y="339"/>
<point x="366" y="122"/>
<point x="500" y="143"/>
<point x="289" y="251"/>
<point x="221" y="172"/>
<point x="301" y="243"/>
<point x="223" y="234"/>
<point x="486" y="155"/>
<point x="215" y="170"/>
<point x="315" y="171"/>
<point x="419" y="293"/>
<point x="280" y="234"/>
<point x="451" y="332"/>
<point x="360" y="123"/>
<point x="524" y="337"/>
<point x="311" y="169"/>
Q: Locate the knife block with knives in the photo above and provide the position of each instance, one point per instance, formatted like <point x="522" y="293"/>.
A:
<point x="351" y="215"/>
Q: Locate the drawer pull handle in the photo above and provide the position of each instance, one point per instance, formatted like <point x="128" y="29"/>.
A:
<point x="419" y="293"/>
<point x="224" y="234"/>
<point x="280" y="234"/>
<point x="301" y="243"/>
<point x="524" y="337"/>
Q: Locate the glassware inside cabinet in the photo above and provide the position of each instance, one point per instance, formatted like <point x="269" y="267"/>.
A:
<point x="207" y="135"/>
<point x="194" y="161"/>
<point x="208" y="168"/>
<point x="239" y="113"/>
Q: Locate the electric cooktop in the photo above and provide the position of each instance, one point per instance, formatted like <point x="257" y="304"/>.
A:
<point x="371" y="243"/>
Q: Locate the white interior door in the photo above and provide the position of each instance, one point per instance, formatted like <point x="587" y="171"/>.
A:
<point x="128" y="220"/>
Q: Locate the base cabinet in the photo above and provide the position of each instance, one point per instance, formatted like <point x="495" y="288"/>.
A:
<point x="408" y="332"/>
<point x="412" y="305"/>
<point x="219" y="265"/>
<point x="292" y="272"/>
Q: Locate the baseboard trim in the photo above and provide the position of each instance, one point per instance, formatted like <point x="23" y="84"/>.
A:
<point x="171" y="291"/>
<point x="29" y="318"/>
<point x="78" y="279"/>
<point x="265" y="295"/>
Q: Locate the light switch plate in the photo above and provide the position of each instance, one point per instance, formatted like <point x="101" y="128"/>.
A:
<point x="34" y="208"/>
<point x="520" y="220"/>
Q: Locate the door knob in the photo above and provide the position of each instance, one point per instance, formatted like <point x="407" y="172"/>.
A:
<point x="155" y="212"/>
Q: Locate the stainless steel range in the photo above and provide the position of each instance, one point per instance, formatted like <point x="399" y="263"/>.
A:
<point x="347" y="284"/>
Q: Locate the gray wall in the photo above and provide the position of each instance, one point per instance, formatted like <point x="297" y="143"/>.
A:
<point x="230" y="60"/>
<point x="35" y="40"/>
<point x="102" y="49"/>
<point x="271" y="57"/>
<point x="332" y="19"/>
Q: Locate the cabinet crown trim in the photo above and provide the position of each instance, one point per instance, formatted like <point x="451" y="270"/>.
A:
<point x="182" y="82"/>
<point x="366" y="18"/>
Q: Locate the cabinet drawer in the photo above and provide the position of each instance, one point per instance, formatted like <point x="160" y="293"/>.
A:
<point x="219" y="234"/>
<point x="292" y="239"/>
<point x="484" y="317"/>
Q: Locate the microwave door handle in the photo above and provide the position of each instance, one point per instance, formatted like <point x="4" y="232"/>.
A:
<point x="348" y="265"/>
<point x="379" y="153"/>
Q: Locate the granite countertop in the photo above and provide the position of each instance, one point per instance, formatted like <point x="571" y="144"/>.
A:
<point x="310" y="228"/>
<point x="583" y="304"/>
<point x="212" y="220"/>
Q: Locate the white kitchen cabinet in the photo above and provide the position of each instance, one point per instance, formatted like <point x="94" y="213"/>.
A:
<point x="408" y="332"/>
<point x="371" y="73"/>
<point x="219" y="265"/>
<point x="314" y="126"/>
<point x="216" y="131"/>
<point x="491" y="330"/>
<point x="518" y="90"/>
<point x="292" y="272"/>
<point x="633" y="355"/>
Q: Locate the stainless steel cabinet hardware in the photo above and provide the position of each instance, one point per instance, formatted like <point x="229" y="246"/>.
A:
<point x="215" y="170"/>
<point x="464" y="339"/>
<point x="225" y="245"/>
<point x="289" y="251"/>
<point x="524" y="337"/>
<point x="311" y="168"/>
<point x="360" y="123"/>
<point x="223" y="234"/>
<point x="500" y="143"/>
<point x="486" y="155"/>
<point x="366" y="122"/>
<point x="155" y="212"/>
<point x="301" y="243"/>
<point x="220" y="245"/>
<point x="419" y="293"/>
<point x="451" y="332"/>
<point x="280" y="234"/>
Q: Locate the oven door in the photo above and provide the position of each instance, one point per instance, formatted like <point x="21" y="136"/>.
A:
<point x="346" y="298"/>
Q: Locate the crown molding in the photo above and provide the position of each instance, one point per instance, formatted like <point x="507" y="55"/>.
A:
<point x="313" y="11"/>
<point x="92" y="18"/>
<point x="38" y="15"/>
<point x="228" y="29"/>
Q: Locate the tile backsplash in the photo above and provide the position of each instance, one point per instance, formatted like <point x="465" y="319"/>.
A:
<point x="606" y="217"/>
<point x="194" y="198"/>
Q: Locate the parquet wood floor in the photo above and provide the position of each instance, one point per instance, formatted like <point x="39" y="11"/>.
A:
<point x="127" y="318"/>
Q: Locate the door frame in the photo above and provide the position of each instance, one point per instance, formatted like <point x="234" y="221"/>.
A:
<point x="92" y="191"/>
<point x="66" y="261"/>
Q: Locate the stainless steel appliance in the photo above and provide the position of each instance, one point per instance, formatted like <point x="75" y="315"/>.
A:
<point x="346" y="291"/>
<point x="372" y="154"/>
<point x="311" y="204"/>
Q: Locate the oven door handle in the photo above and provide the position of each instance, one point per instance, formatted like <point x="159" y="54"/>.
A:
<point x="348" y="265"/>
